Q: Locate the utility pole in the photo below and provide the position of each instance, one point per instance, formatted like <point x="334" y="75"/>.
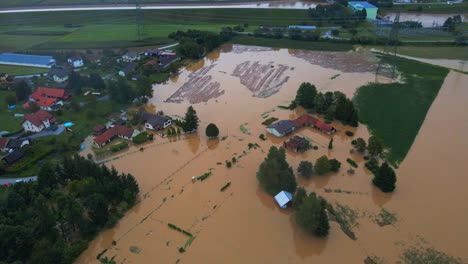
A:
<point x="138" y="18"/>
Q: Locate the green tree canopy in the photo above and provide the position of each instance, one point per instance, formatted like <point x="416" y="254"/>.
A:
<point x="311" y="216"/>
<point x="275" y="174"/>
<point x="212" y="130"/>
<point x="10" y="99"/>
<point x="360" y="145"/>
<point x="322" y="165"/>
<point x="305" y="95"/>
<point x="385" y="178"/>
<point x="375" y="146"/>
<point x="22" y="90"/>
<point x="299" y="197"/>
<point x="335" y="165"/>
<point x="191" y="120"/>
<point x="305" y="169"/>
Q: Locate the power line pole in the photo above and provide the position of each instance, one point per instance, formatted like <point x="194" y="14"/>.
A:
<point x="138" y="18"/>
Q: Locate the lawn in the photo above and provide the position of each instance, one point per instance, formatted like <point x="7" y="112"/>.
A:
<point x="8" y="122"/>
<point x="291" y="44"/>
<point x="21" y="70"/>
<point x="10" y="3"/>
<point x="396" y="111"/>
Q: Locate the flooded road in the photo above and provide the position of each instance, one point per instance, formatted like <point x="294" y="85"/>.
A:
<point x="242" y="223"/>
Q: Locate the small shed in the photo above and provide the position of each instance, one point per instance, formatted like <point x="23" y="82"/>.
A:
<point x="371" y="10"/>
<point x="283" y="199"/>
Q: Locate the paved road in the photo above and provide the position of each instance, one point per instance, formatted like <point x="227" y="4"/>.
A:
<point x="45" y="133"/>
<point x="16" y="180"/>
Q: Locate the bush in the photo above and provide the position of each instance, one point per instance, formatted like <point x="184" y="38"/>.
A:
<point x="349" y="133"/>
<point x="225" y="186"/>
<point x="322" y="165"/>
<point x="372" y="165"/>
<point x="204" y="176"/>
<point x="262" y="137"/>
<point x="335" y="165"/>
<point x="269" y="121"/>
<point x="228" y="164"/>
<point x="118" y="147"/>
<point x="212" y="130"/>
<point x="305" y="169"/>
<point x="352" y="162"/>
<point x="140" y="138"/>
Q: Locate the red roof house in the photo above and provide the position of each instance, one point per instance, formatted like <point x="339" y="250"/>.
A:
<point x="38" y="121"/>
<point x="115" y="131"/>
<point x="50" y="93"/>
<point x="326" y="128"/>
<point x="305" y="120"/>
<point x="99" y="129"/>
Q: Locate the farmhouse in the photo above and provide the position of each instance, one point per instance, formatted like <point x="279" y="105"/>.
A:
<point x="131" y="56"/>
<point x="14" y="156"/>
<point x="283" y="199"/>
<point x="305" y="120"/>
<point x="113" y="132"/>
<point x="324" y="127"/>
<point x="155" y="122"/>
<point x="371" y="10"/>
<point x="49" y="99"/>
<point x="38" y="121"/>
<point x="76" y="61"/>
<point x="27" y="60"/>
<point x="297" y="144"/>
<point x="281" y="128"/>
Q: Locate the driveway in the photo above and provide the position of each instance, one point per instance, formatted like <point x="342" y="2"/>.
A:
<point x="16" y="180"/>
<point x="45" y="133"/>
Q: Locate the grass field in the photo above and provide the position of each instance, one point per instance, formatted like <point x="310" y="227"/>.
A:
<point x="104" y="29"/>
<point x="7" y="120"/>
<point x="291" y="44"/>
<point x="10" y="3"/>
<point x="443" y="52"/>
<point x="396" y="111"/>
<point x="20" y="70"/>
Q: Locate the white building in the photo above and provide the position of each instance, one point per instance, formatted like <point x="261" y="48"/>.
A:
<point x="76" y="61"/>
<point x="38" y="121"/>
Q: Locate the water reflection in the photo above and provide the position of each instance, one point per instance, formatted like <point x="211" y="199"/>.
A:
<point x="212" y="143"/>
<point x="306" y="245"/>
<point x="193" y="141"/>
<point x="265" y="198"/>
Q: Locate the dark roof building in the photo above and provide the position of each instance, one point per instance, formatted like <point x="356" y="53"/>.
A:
<point x="18" y="143"/>
<point x="27" y="60"/>
<point x="14" y="156"/>
<point x="297" y="144"/>
<point x="99" y="129"/>
<point x="281" y="128"/>
<point x="156" y="122"/>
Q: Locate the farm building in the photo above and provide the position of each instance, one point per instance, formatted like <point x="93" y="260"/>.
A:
<point x="131" y="56"/>
<point x="27" y="60"/>
<point x="281" y="128"/>
<point x="283" y="199"/>
<point x="371" y="10"/>
<point x="303" y="28"/>
<point x="324" y="127"/>
<point x="297" y="144"/>
<point x="155" y="122"/>
<point x="115" y="131"/>
<point x="14" y="156"/>
<point x="49" y="99"/>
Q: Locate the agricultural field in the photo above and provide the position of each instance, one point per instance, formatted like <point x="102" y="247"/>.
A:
<point x="7" y="119"/>
<point x="21" y="70"/>
<point x="439" y="52"/>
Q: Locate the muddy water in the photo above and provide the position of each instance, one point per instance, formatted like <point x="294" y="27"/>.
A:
<point x="243" y="223"/>
<point x="427" y="20"/>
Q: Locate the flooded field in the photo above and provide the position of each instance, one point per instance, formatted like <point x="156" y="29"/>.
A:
<point x="244" y="224"/>
<point x="427" y="20"/>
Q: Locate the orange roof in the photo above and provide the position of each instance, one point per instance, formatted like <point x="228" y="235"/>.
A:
<point x="39" y="117"/>
<point x="305" y="120"/>
<point x="323" y="126"/>
<point x="50" y="92"/>
<point x="112" y="132"/>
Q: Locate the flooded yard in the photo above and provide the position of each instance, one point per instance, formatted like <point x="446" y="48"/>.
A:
<point x="243" y="223"/>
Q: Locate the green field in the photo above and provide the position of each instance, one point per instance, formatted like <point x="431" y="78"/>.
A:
<point x="442" y="52"/>
<point x="396" y="111"/>
<point x="10" y="3"/>
<point x="20" y="70"/>
<point x="7" y="120"/>
<point x="291" y="44"/>
<point x="107" y="29"/>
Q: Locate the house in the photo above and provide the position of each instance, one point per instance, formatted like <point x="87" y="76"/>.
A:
<point x="119" y="122"/>
<point x="59" y="75"/>
<point x="3" y="144"/>
<point x="305" y="120"/>
<point x="302" y="28"/>
<point x="113" y="132"/>
<point x="49" y="99"/>
<point x="152" y="52"/>
<point x="281" y="128"/>
<point x="284" y="199"/>
<point x="27" y="60"/>
<point x="324" y="127"/>
<point x="14" y="156"/>
<point x="5" y="78"/>
<point x="131" y="56"/>
<point x="297" y="144"/>
<point x="165" y="61"/>
<point x="38" y="121"/>
<point x="371" y="10"/>
<point x="99" y="129"/>
<point x="156" y="122"/>
<point x="17" y="143"/>
<point x="128" y="69"/>
<point x="76" y="61"/>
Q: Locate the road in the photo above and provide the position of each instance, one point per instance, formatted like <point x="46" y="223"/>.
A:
<point x="16" y="180"/>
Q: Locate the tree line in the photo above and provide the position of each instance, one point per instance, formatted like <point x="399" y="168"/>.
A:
<point x="332" y="105"/>
<point x="52" y="220"/>
<point x="337" y="14"/>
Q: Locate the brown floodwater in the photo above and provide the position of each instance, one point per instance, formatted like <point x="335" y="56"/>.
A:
<point x="244" y="224"/>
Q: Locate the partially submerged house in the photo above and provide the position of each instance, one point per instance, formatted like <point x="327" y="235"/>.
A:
<point x="324" y="127"/>
<point x="297" y="144"/>
<point x="113" y="132"/>
<point x="38" y="121"/>
<point x="281" y="128"/>
<point x="305" y="120"/>
<point x="284" y="199"/>
<point x="155" y="122"/>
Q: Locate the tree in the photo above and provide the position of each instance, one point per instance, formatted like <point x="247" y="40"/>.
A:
<point x="22" y="90"/>
<point x="299" y="197"/>
<point x="449" y="25"/>
<point x="33" y="107"/>
<point x="375" y="146"/>
<point x="305" y="95"/>
<point x="322" y="165"/>
<point x="330" y="144"/>
<point x="191" y="120"/>
<point x="360" y="145"/>
<point x="212" y="130"/>
<point x="305" y="169"/>
<point x="10" y="99"/>
<point x="335" y="165"/>
<point x="275" y="174"/>
<point x="143" y="86"/>
<point x="311" y="216"/>
<point x="385" y="178"/>
<point x="97" y="209"/>
<point x="96" y="81"/>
